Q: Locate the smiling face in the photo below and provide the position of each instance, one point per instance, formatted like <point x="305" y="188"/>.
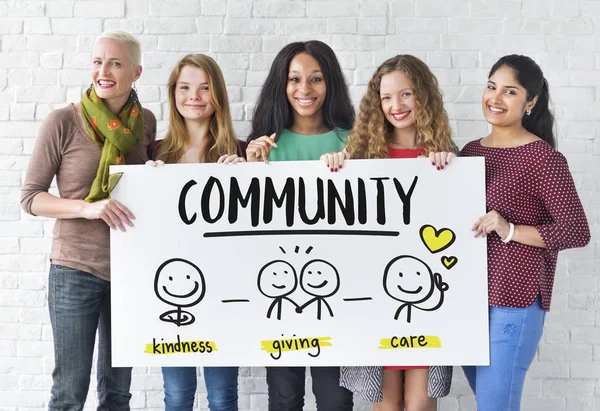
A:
<point x="277" y="279"/>
<point x="408" y="279"/>
<point x="319" y="278"/>
<point x="504" y="101"/>
<point x="192" y="95"/>
<point x="180" y="283"/>
<point x="398" y="100"/>
<point x="306" y="89"/>
<point x="112" y="71"/>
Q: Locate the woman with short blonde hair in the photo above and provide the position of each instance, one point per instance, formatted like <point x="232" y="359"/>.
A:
<point x="78" y="144"/>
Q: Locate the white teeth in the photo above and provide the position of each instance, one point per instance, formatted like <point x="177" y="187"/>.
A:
<point x="496" y="110"/>
<point x="400" y="116"/>
<point x="106" y="83"/>
<point x="305" y="101"/>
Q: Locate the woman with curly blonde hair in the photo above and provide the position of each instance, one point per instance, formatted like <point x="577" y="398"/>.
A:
<point x="401" y="116"/>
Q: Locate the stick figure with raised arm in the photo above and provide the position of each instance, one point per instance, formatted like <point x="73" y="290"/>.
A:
<point x="321" y="280"/>
<point x="180" y="283"/>
<point x="410" y="281"/>
<point x="277" y="280"/>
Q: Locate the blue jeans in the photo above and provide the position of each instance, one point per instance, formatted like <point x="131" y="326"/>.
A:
<point x="221" y="388"/>
<point x="79" y="304"/>
<point x="514" y="337"/>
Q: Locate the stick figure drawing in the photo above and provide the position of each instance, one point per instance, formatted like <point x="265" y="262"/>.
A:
<point x="410" y="281"/>
<point x="179" y="283"/>
<point x="277" y="280"/>
<point x="319" y="279"/>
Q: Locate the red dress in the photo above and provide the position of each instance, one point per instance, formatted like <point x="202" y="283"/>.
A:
<point x="405" y="153"/>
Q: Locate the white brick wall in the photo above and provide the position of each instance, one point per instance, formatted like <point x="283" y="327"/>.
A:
<point x="44" y="50"/>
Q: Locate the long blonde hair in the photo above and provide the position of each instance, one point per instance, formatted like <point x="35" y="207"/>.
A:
<point x="221" y="136"/>
<point x="372" y="133"/>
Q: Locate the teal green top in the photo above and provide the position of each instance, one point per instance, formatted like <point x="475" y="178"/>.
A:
<point x="297" y="147"/>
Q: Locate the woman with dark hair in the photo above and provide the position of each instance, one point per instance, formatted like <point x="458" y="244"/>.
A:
<point x="534" y="212"/>
<point x="303" y="111"/>
<point x="304" y="96"/>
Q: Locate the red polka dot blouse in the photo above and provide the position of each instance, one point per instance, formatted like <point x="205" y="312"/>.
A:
<point x="529" y="185"/>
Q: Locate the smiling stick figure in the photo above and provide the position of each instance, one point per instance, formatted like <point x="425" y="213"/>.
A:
<point x="277" y="280"/>
<point x="410" y="281"/>
<point x="319" y="279"/>
<point x="180" y="283"/>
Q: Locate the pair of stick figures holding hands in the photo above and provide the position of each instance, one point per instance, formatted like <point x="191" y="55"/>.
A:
<point x="318" y="278"/>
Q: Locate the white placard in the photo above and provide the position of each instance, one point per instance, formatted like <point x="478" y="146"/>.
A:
<point x="290" y="264"/>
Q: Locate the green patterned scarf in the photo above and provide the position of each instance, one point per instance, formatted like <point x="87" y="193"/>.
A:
<point x="115" y="136"/>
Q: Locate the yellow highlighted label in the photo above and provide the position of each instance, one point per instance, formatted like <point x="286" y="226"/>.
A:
<point x="276" y="347"/>
<point x="410" y="341"/>
<point x="180" y="347"/>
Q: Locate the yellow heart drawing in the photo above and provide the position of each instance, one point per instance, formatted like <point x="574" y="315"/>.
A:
<point x="436" y="240"/>
<point x="449" y="262"/>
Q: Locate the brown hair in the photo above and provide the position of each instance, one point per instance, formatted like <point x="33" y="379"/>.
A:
<point x="372" y="133"/>
<point x="221" y="136"/>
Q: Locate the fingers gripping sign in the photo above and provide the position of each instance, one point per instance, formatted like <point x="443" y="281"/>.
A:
<point x="113" y="213"/>
<point x="440" y="159"/>
<point x="231" y="159"/>
<point x="335" y="160"/>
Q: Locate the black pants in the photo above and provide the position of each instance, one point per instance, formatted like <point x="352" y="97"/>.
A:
<point x="286" y="389"/>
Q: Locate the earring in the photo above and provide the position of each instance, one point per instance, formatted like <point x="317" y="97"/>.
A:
<point x="529" y="112"/>
<point x="133" y="95"/>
